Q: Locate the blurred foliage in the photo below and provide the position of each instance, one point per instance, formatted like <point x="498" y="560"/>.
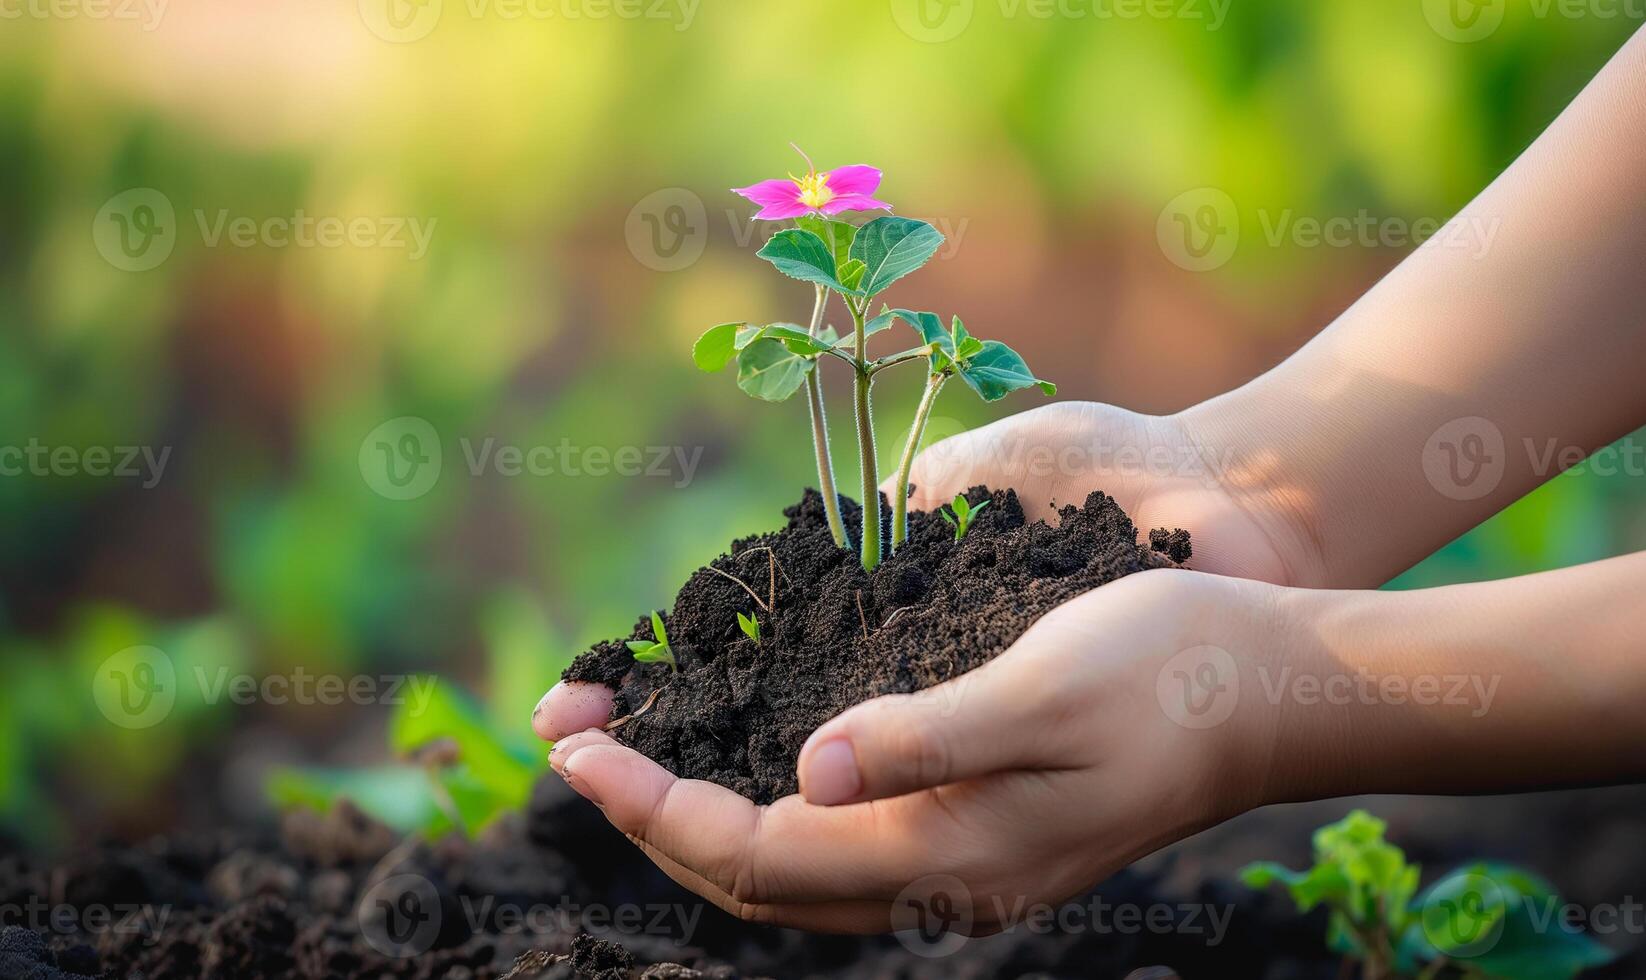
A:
<point x="1044" y="148"/>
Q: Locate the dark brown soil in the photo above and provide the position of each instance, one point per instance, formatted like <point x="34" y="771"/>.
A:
<point x="738" y="712"/>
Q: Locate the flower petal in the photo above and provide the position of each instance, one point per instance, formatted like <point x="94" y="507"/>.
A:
<point x="778" y="199"/>
<point x="856" y="179"/>
<point x="854" y="202"/>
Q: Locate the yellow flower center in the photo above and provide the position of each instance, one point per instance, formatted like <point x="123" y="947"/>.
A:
<point x="814" y="189"/>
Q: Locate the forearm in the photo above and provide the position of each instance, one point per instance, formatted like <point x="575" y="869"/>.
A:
<point x="1532" y="319"/>
<point x="1523" y="683"/>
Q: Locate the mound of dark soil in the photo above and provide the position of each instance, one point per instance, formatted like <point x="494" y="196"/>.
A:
<point x="831" y="636"/>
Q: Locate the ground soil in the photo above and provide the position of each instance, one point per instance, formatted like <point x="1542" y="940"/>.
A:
<point x="738" y="711"/>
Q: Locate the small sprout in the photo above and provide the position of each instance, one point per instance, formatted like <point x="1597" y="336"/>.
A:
<point x="658" y="652"/>
<point x="750" y="625"/>
<point x="964" y="514"/>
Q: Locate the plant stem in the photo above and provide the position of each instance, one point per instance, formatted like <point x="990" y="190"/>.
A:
<point x="820" y="434"/>
<point x="865" y="448"/>
<point x="900" y="493"/>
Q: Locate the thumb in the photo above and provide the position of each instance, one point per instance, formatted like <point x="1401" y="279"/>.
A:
<point x="981" y="722"/>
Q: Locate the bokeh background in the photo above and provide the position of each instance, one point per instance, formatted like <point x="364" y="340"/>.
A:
<point x="569" y="162"/>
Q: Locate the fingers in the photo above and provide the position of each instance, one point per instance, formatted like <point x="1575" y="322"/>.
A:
<point x="982" y="722"/>
<point x="571" y="706"/>
<point x="788" y="852"/>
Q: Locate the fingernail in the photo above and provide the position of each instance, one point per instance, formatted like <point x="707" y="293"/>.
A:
<point x="831" y="775"/>
<point x="575" y="782"/>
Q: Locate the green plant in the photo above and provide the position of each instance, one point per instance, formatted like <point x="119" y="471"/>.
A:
<point x="857" y="264"/>
<point x="750" y="625"/>
<point x="963" y="514"/>
<point x="1482" y="920"/>
<point x="657" y="652"/>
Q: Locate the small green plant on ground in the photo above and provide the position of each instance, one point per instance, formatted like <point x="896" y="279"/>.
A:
<point x="960" y="514"/>
<point x="750" y="625"/>
<point x="855" y="263"/>
<point x="1482" y="920"/>
<point x="657" y="652"/>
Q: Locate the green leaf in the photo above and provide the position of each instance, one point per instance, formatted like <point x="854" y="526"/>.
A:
<point x="769" y="370"/>
<point x="398" y="795"/>
<point x="978" y="508"/>
<point x="440" y="712"/>
<point x="882" y="322"/>
<point x="962" y="507"/>
<point x="658" y="631"/>
<point x="892" y="248"/>
<point x="658" y="653"/>
<point x="1503" y="922"/>
<point x="946" y="516"/>
<point x="837" y="235"/>
<point x="750" y="626"/>
<point x="796" y="339"/>
<point x="996" y="371"/>
<point x="799" y="254"/>
<point x="637" y="647"/>
<point x="851" y="273"/>
<point x="716" y="348"/>
<point x="931" y="330"/>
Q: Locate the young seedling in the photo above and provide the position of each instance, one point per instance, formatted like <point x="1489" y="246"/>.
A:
<point x="858" y="263"/>
<point x="1482" y="920"/>
<point x="960" y="514"/>
<point x="658" y="652"/>
<point x="750" y="625"/>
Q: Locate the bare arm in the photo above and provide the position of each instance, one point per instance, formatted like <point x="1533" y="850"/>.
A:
<point x="1524" y="683"/>
<point x="1437" y="399"/>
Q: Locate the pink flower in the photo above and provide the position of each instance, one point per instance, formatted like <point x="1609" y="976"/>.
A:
<point x="829" y="191"/>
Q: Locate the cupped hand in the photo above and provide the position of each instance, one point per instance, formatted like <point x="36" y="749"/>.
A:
<point x="1026" y="780"/>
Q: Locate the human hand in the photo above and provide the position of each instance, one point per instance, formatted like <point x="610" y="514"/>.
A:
<point x="1027" y="780"/>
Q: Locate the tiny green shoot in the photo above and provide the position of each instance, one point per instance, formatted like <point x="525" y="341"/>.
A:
<point x="657" y="652"/>
<point x="963" y="513"/>
<point x="750" y="625"/>
<point x="1481" y="920"/>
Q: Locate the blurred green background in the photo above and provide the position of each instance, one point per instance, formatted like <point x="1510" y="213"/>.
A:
<point x="569" y="162"/>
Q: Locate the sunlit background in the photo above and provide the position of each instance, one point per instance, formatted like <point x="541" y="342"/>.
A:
<point x="568" y="177"/>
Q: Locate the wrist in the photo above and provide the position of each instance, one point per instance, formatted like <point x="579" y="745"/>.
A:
<point x="1262" y="461"/>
